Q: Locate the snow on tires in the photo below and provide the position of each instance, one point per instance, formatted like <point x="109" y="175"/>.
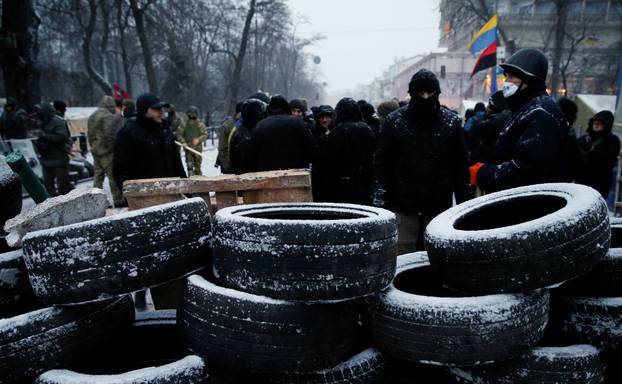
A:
<point x="115" y="255"/>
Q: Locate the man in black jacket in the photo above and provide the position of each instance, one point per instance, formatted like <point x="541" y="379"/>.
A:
<point x="599" y="150"/>
<point x="252" y="111"/>
<point x="145" y="147"/>
<point x="482" y="137"/>
<point x="281" y="141"/>
<point x="343" y="169"/>
<point x="421" y="161"/>
<point x="536" y="145"/>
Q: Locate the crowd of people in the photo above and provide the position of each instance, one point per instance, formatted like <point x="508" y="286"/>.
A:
<point x="413" y="157"/>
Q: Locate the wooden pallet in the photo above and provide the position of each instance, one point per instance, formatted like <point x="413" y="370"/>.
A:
<point x="260" y="187"/>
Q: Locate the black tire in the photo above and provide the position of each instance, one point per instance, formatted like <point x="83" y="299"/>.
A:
<point x="11" y="192"/>
<point x="574" y="364"/>
<point x="603" y="281"/>
<point x="152" y="340"/>
<point x="411" y="372"/>
<point x="593" y="320"/>
<point x="250" y="332"/>
<point x="115" y="255"/>
<point x="366" y="367"/>
<point x="35" y="342"/>
<point x="415" y="319"/>
<point x="519" y="239"/>
<point x="307" y="251"/>
<point x="16" y="294"/>
<point x="189" y="370"/>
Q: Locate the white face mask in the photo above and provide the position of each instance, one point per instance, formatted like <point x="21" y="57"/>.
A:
<point x="509" y="89"/>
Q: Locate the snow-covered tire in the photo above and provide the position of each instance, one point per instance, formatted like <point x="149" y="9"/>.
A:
<point x="11" y="192"/>
<point x="251" y="332"/>
<point x="415" y="319"/>
<point x="366" y="367"/>
<point x="189" y="370"/>
<point x="16" y="296"/>
<point x="574" y="364"/>
<point x="44" y="339"/>
<point x="115" y="255"/>
<point x="593" y="320"/>
<point x="603" y="281"/>
<point x="519" y="239"/>
<point x="306" y="251"/>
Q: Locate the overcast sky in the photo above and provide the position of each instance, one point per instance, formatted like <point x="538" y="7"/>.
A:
<point x="363" y="37"/>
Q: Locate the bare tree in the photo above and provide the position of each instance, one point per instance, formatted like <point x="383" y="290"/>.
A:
<point x="139" y="19"/>
<point x="89" y="30"/>
<point x="18" y="51"/>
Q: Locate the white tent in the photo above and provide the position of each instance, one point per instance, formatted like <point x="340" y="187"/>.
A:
<point x="589" y="105"/>
<point x="466" y="104"/>
<point x="77" y="118"/>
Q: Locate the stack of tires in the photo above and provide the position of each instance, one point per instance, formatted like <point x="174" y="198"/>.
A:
<point x="65" y="296"/>
<point x="480" y="304"/>
<point x="281" y="303"/>
<point x="11" y="204"/>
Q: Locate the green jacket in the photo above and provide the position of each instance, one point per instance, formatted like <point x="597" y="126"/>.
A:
<point x="223" y="144"/>
<point x="53" y="144"/>
<point x="102" y="127"/>
<point x="191" y="130"/>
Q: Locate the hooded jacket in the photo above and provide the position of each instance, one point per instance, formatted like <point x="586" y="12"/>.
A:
<point x="102" y="127"/>
<point x="535" y="146"/>
<point x="599" y="152"/>
<point x="53" y="142"/>
<point x="281" y="141"/>
<point x="145" y="149"/>
<point x="343" y="169"/>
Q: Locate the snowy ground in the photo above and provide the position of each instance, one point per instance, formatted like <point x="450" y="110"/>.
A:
<point x="210" y="151"/>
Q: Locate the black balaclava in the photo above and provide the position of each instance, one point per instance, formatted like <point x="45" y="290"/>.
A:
<point x="424" y="81"/>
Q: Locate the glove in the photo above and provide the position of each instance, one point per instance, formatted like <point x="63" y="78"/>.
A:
<point x="473" y="169"/>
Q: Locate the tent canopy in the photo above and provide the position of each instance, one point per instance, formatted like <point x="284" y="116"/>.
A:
<point x="589" y="105"/>
<point x="77" y="118"/>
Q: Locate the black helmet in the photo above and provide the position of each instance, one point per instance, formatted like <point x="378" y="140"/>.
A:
<point x="253" y="110"/>
<point x="192" y="110"/>
<point x="527" y="64"/>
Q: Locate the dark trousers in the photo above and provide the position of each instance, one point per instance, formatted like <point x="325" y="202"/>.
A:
<point x="56" y="180"/>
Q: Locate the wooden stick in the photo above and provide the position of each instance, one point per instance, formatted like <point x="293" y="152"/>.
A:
<point x="187" y="148"/>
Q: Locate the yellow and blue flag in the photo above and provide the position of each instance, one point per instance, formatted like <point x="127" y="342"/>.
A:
<point x="484" y="37"/>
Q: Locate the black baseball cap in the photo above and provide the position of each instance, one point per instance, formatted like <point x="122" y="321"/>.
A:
<point x="149" y="100"/>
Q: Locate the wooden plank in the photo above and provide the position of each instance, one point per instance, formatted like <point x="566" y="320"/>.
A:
<point x="226" y="199"/>
<point x="149" y="201"/>
<point x="287" y="195"/>
<point x="224" y="183"/>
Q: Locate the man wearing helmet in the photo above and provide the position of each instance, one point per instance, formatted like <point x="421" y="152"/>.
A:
<point x="193" y="133"/>
<point x="536" y="145"/>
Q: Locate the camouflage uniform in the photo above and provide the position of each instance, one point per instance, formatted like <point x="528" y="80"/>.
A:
<point x="223" y="146"/>
<point x="102" y="128"/>
<point x="54" y="149"/>
<point x="192" y="134"/>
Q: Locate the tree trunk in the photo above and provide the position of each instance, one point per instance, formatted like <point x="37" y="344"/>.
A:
<point x="139" y="19"/>
<point x="122" y="25"/>
<point x="19" y="47"/>
<point x="560" y="28"/>
<point x="86" y="50"/>
<point x="239" y="58"/>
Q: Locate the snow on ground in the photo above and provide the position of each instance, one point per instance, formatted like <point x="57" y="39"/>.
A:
<point x="210" y="151"/>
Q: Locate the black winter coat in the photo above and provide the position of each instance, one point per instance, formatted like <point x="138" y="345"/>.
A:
<point x="53" y="144"/>
<point x="599" y="152"/>
<point x="482" y="137"/>
<point x="344" y="166"/>
<point x="420" y="164"/>
<point x="144" y="149"/>
<point x="240" y="151"/>
<point x="281" y="142"/>
<point x="536" y="146"/>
